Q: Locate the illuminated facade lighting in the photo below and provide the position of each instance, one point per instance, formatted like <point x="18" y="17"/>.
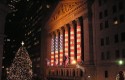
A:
<point x="52" y="51"/>
<point x="61" y="49"/>
<point x="78" y="43"/>
<point x="72" y="44"/>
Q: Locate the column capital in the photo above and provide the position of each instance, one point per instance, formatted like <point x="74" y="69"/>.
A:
<point x="52" y="34"/>
<point x="61" y="30"/>
<point x="77" y="21"/>
<point x="71" y="24"/>
<point x="57" y="32"/>
<point x="66" y="27"/>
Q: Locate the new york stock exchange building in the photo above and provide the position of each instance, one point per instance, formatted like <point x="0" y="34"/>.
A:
<point x="85" y="40"/>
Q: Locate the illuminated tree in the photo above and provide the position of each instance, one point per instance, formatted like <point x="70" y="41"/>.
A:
<point x="21" y="68"/>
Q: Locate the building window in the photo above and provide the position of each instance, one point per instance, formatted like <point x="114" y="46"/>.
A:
<point x="100" y="2"/>
<point x="106" y="74"/>
<point x="117" y="54"/>
<point x="116" y="38"/>
<point x="100" y="15"/>
<point x="101" y="26"/>
<point x="123" y="53"/>
<point x="105" y="1"/>
<point x="107" y="55"/>
<point x="8" y="40"/>
<point x="121" y="7"/>
<point x="115" y="20"/>
<point x="114" y="8"/>
<point x="107" y="41"/>
<point x="123" y="36"/>
<point x="121" y="18"/>
<point x="81" y="73"/>
<point x="73" y="72"/>
<point x="102" y="42"/>
<point x="106" y="24"/>
<point x="105" y="13"/>
<point x="102" y="56"/>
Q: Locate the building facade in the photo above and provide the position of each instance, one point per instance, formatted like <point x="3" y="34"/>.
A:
<point x="3" y="12"/>
<point x="108" y="38"/>
<point x="84" y="40"/>
<point x="33" y="23"/>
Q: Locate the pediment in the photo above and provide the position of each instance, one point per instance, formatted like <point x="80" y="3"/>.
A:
<point x="63" y="9"/>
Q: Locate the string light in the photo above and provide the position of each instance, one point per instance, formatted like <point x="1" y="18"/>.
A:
<point x="21" y="68"/>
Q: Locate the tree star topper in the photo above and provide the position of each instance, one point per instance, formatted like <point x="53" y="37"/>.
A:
<point x="22" y="43"/>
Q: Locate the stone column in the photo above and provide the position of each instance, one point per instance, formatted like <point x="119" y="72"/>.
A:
<point x="78" y="41"/>
<point x="52" y="56"/>
<point x="3" y="12"/>
<point x="72" y="43"/>
<point x="61" y="43"/>
<point x="88" y="39"/>
<point x="56" y="47"/>
<point x="66" y="42"/>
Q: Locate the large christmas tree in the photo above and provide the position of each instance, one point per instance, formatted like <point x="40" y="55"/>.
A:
<point x="21" y="68"/>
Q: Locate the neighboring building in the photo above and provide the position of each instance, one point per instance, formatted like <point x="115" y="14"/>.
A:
<point x="35" y="18"/>
<point x="11" y="46"/>
<point x="109" y="37"/>
<point x="3" y="12"/>
<point x="84" y="40"/>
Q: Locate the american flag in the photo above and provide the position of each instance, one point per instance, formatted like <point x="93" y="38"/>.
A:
<point x="71" y="44"/>
<point x="78" y="43"/>
<point x="56" y="50"/>
<point x="52" y="52"/>
<point x="66" y="43"/>
<point x="61" y="49"/>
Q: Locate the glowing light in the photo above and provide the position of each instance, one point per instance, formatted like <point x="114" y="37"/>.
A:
<point x="13" y="14"/>
<point x="22" y="43"/>
<point x="116" y="22"/>
<point x="9" y="20"/>
<point x="48" y="6"/>
<point x="74" y="62"/>
<point x="120" y="62"/>
<point x="21" y="68"/>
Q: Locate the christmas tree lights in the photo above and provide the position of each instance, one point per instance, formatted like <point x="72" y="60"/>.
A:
<point x="21" y="68"/>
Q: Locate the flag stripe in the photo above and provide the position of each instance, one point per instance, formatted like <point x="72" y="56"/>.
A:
<point x="71" y="44"/>
<point x="56" y="50"/>
<point x="65" y="60"/>
<point x="61" y="49"/>
<point x="78" y="43"/>
<point x="52" y="51"/>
